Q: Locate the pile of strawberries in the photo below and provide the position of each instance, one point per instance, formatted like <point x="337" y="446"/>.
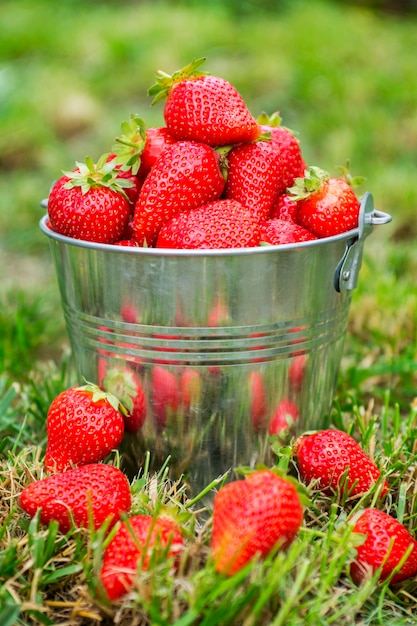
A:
<point x="212" y="177"/>
<point x="251" y="517"/>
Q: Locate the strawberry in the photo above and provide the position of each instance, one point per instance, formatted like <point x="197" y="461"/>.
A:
<point x="129" y="313"/>
<point x="254" y="176"/>
<point x="90" y="203"/>
<point x="190" y="389"/>
<point x="257" y="399"/>
<point x="251" y="517"/>
<point x="138" y="147"/>
<point x="91" y="493"/>
<point x="156" y="140"/>
<point x="219" y="224"/>
<point x="125" y="384"/>
<point x="329" y="456"/>
<point x="327" y="205"/>
<point x="386" y="542"/>
<point x="277" y="232"/>
<point x="293" y="164"/>
<point x="219" y="314"/>
<point x="126" y="243"/>
<point x="284" y="208"/>
<point x="284" y="418"/>
<point x="185" y="176"/>
<point x="132" y="191"/>
<point x="165" y="392"/>
<point x="202" y="107"/>
<point x="138" y="542"/>
<point x="84" y="424"/>
<point x="297" y="371"/>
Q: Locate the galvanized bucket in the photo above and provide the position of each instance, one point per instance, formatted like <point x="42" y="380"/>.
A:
<point x="260" y="331"/>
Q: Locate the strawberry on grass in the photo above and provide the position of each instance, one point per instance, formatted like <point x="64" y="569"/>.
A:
<point x="84" y="424"/>
<point x="387" y="546"/>
<point x="126" y="385"/>
<point x="283" y="419"/>
<point x="190" y="385"/>
<point x="251" y="517"/>
<point x="91" y="493"/>
<point x="165" y="395"/>
<point x="139" y="542"/>
<point x="258" y="400"/>
<point x="335" y="459"/>
<point x="91" y="203"/>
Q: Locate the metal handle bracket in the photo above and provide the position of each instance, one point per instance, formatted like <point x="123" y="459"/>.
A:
<point x="347" y="271"/>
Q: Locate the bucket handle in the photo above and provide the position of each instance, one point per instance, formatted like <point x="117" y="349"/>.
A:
<point x="347" y="271"/>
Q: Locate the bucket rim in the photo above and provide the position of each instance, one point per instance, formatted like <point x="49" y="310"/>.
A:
<point x="164" y="252"/>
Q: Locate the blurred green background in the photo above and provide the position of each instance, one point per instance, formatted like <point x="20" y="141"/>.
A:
<point x="342" y="74"/>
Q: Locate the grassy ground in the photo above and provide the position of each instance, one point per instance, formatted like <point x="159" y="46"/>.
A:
<point x="343" y="78"/>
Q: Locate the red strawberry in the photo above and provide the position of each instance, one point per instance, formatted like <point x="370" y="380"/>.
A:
<point x="90" y="203"/>
<point x="190" y="388"/>
<point x="297" y="371"/>
<point x="125" y="384"/>
<point x="219" y="224"/>
<point x="165" y="395"/>
<point x="219" y="314"/>
<point x="186" y="175"/>
<point x="157" y="138"/>
<point x="277" y="232"/>
<point x="91" y="493"/>
<point x="127" y="243"/>
<point x="284" y="418"/>
<point x="386" y="543"/>
<point x="138" y="542"/>
<point x="138" y="147"/>
<point x="83" y="425"/>
<point x="254" y="176"/>
<point x="132" y="191"/>
<point x="201" y="107"/>
<point x="329" y="455"/>
<point x="257" y="399"/>
<point x="293" y="164"/>
<point x="327" y="206"/>
<point x="129" y="313"/>
<point x="251" y="517"/>
<point x="285" y="208"/>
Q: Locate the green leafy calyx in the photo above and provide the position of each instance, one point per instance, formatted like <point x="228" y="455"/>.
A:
<point x="90" y="175"/>
<point x="99" y="394"/>
<point x="346" y="174"/>
<point x="165" y="82"/>
<point x="314" y="178"/>
<point x="130" y="144"/>
<point x="273" y="120"/>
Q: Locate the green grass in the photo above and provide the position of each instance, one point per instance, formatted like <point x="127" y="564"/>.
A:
<point x="344" y="78"/>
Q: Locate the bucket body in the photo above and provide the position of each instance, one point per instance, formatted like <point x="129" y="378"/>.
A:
<point x="230" y="346"/>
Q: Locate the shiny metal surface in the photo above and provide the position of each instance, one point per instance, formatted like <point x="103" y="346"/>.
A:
<point x="256" y="327"/>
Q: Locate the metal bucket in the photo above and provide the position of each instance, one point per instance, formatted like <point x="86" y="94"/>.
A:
<point x="261" y="330"/>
